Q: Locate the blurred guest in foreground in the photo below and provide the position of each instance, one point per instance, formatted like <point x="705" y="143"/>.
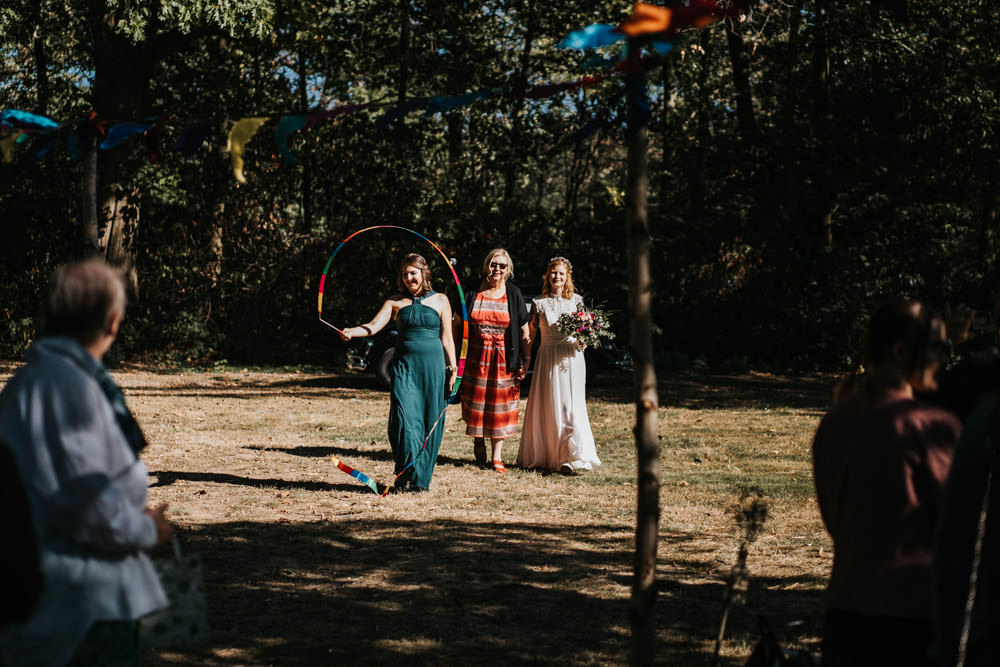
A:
<point x="76" y="447"/>
<point x="966" y="567"/>
<point x="880" y="461"/>
<point x="973" y="368"/>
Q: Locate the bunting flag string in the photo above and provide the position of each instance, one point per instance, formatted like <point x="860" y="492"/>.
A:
<point x="648" y="24"/>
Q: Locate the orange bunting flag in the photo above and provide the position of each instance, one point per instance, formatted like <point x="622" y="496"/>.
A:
<point x="647" y="19"/>
<point x="239" y="135"/>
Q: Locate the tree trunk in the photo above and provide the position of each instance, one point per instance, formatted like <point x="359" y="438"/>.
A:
<point x="667" y="132"/>
<point x="791" y="95"/>
<point x="122" y="72"/>
<point x="120" y="231"/>
<point x="306" y="194"/>
<point x="88" y="196"/>
<point x="215" y="266"/>
<point x="513" y="163"/>
<point x="822" y="109"/>
<point x="741" y="81"/>
<point x="643" y="599"/>
<point x="697" y="190"/>
<point x="404" y="48"/>
<point x="41" y="62"/>
<point x="789" y="144"/>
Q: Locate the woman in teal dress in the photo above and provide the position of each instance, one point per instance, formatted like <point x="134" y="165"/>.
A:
<point x="419" y="372"/>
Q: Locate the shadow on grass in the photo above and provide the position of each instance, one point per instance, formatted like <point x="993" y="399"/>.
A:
<point x="684" y="391"/>
<point x="324" y="451"/>
<point x="166" y="478"/>
<point x="254" y="386"/>
<point x="354" y="455"/>
<point x="745" y="391"/>
<point x="444" y="593"/>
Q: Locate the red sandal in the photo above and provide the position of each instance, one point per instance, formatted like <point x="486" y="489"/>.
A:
<point x="499" y="466"/>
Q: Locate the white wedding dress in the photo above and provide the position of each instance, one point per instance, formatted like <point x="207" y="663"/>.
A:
<point x="556" y="428"/>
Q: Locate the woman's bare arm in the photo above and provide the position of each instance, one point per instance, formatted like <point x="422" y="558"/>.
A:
<point x="372" y="327"/>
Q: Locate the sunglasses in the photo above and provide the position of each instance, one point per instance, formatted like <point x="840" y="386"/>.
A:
<point x="498" y="265"/>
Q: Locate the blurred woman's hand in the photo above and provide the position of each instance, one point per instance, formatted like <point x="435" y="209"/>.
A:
<point x="164" y="529"/>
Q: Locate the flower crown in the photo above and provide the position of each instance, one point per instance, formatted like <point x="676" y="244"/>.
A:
<point x="561" y="260"/>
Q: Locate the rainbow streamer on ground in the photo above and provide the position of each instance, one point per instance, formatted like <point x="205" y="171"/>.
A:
<point x="358" y="475"/>
<point x="461" y="358"/>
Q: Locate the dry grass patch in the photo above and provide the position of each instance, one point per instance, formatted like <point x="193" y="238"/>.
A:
<point x="306" y="566"/>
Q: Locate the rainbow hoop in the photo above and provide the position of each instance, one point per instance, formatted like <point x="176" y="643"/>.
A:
<point x="454" y="275"/>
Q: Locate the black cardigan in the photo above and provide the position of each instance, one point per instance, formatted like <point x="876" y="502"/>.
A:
<point x="518" y="310"/>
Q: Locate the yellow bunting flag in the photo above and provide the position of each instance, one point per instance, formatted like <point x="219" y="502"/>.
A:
<point x="239" y="135"/>
<point x="7" y="145"/>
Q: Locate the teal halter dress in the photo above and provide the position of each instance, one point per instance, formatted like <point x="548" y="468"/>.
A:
<point x="417" y="396"/>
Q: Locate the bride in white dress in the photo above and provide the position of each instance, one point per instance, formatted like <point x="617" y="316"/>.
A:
<point x="556" y="433"/>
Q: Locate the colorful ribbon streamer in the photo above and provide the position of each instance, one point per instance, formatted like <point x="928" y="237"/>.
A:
<point x="465" y="333"/>
<point x="454" y="275"/>
<point x="357" y="474"/>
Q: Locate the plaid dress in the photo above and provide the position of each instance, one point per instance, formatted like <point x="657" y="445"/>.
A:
<point x="490" y="395"/>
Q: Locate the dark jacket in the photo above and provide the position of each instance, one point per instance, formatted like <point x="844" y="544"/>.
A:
<point x="518" y="309"/>
<point x="880" y="462"/>
<point x="976" y="462"/>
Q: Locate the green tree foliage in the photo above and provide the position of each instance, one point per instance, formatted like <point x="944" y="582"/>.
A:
<point x="805" y="160"/>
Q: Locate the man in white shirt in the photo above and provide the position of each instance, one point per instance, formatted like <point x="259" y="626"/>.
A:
<point x="76" y="447"/>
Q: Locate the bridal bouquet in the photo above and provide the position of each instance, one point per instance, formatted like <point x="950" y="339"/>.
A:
<point x="587" y="327"/>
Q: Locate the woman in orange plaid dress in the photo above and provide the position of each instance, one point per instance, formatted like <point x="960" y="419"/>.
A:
<point x="497" y="361"/>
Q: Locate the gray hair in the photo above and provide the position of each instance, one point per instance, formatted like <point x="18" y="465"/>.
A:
<point x="82" y="299"/>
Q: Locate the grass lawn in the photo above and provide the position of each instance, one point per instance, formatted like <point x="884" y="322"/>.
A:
<point x="306" y="566"/>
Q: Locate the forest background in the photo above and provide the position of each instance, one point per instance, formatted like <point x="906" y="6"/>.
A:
<point x="804" y="160"/>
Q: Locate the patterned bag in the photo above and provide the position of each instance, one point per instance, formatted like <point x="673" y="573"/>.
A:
<point x="185" y="620"/>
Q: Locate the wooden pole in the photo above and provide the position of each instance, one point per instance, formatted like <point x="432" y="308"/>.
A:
<point x="642" y="609"/>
